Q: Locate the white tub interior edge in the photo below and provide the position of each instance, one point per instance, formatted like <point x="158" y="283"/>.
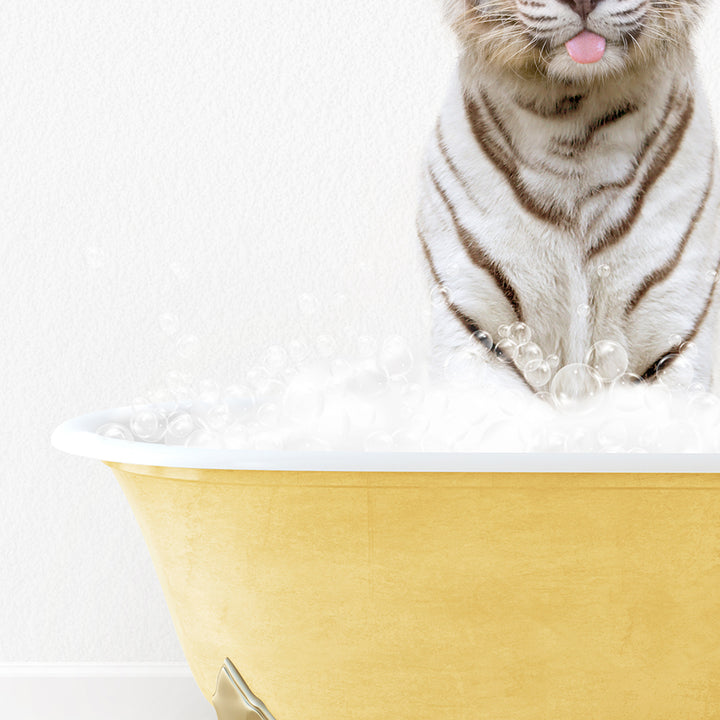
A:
<point x="78" y="437"/>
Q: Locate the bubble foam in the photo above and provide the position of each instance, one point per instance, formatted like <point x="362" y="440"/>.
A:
<point x="383" y="397"/>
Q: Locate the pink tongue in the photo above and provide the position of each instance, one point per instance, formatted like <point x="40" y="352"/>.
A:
<point x="587" y="47"/>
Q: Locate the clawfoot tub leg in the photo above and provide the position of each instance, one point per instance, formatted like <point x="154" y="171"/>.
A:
<point x="233" y="699"/>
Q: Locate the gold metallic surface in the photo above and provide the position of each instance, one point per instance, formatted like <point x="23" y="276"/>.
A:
<point x="233" y="700"/>
<point x="367" y="596"/>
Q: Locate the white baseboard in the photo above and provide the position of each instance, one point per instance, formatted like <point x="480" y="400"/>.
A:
<point x="92" y="691"/>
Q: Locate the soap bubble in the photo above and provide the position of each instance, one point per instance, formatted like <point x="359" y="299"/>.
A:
<point x="658" y="398"/>
<point x="368" y="382"/>
<point x="326" y="346"/>
<point x="139" y="403"/>
<point x="169" y="323"/>
<point x="508" y="348"/>
<point x="502" y="437"/>
<point x="527" y="353"/>
<point x="276" y="358"/>
<point x="464" y="368"/>
<point x="612" y="434"/>
<point x="453" y="270"/>
<point x="361" y="412"/>
<point x="341" y="371"/>
<point x="203" y="438"/>
<point x="304" y="401"/>
<point x="602" y="271"/>
<point x="257" y="378"/>
<point x="583" y="310"/>
<point x="268" y="414"/>
<point x="574" y="385"/>
<point x="581" y="440"/>
<point x="674" y="437"/>
<point x="147" y="424"/>
<point x="218" y="418"/>
<point x="706" y="407"/>
<point x="240" y="400"/>
<point x="406" y="441"/>
<point x="367" y="346"/>
<point x="379" y="442"/>
<point x="188" y="346"/>
<point x="395" y="357"/>
<point x="384" y="402"/>
<point x="675" y="372"/>
<point x="439" y="296"/>
<point x="628" y="392"/>
<point x="267" y="441"/>
<point x="308" y="305"/>
<point x="237" y="437"/>
<point x="333" y="424"/>
<point x="115" y="431"/>
<point x="471" y="440"/>
<point x="307" y="444"/>
<point x="164" y="400"/>
<point x="179" y="383"/>
<point x="298" y="350"/>
<point x="271" y="391"/>
<point x="503" y="331"/>
<point x="412" y="397"/>
<point x="520" y="333"/>
<point x="179" y="427"/>
<point x="553" y="361"/>
<point x="208" y="391"/>
<point x="689" y="349"/>
<point x="537" y="373"/>
<point x="608" y="359"/>
<point x="483" y="338"/>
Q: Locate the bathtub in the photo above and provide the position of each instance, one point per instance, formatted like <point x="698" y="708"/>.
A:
<point x="413" y="586"/>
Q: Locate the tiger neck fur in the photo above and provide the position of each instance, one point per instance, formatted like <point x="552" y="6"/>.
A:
<point x="565" y="137"/>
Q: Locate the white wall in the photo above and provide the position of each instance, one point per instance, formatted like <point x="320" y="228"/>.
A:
<point x="211" y="159"/>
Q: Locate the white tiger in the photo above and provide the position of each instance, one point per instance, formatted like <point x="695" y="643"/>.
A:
<point x="571" y="183"/>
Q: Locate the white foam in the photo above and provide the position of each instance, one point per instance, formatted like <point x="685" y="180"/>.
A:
<point x="384" y="401"/>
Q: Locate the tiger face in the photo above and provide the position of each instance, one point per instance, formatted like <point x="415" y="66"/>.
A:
<point x="573" y="40"/>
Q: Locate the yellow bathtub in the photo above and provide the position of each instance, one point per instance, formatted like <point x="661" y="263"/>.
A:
<point x="428" y="586"/>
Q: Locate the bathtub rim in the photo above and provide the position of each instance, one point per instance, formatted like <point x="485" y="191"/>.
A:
<point x="78" y="437"/>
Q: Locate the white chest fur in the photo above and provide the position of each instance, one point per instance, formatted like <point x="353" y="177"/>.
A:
<point x="587" y="215"/>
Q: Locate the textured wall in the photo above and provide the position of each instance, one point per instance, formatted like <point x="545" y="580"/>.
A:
<point x="209" y="159"/>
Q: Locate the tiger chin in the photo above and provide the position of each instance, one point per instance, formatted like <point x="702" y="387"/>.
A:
<point x="571" y="192"/>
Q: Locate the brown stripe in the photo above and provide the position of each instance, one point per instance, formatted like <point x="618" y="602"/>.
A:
<point x="639" y="159"/>
<point x="623" y="13"/>
<point x="449" y="162"/>
<point x="662" y="159"/>
<point x="509" y="168"/>
<point x="442" y="145"/>
<point x="661" y="273"/>
<point x="498" y="123"/>
<point x="563" y="107"/>
<point x="537" y="18"/>
<point x="470" y="325"/>
<point x="478" y="256"/>
<point x="670" y="356"/>
<point x="566" y="147"/>
<point x="538" y="166"/>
